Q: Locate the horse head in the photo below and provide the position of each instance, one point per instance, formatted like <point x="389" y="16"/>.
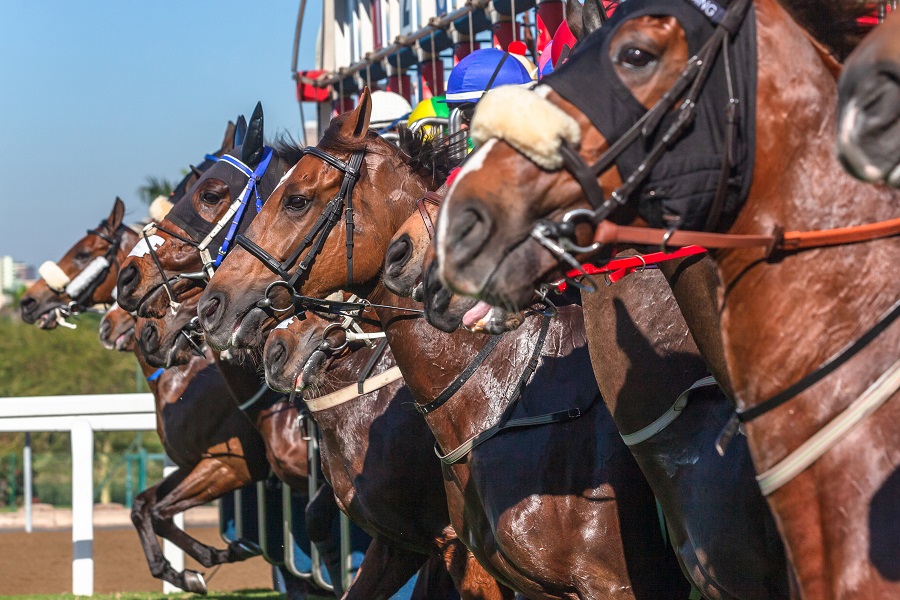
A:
<point x="83" y="277"/>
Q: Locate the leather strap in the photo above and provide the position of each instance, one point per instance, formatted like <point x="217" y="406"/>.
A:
<point x="461" y="379"/>
<point x="504" y="422"/>
<point x="352" y="391"/>
<point x="431" y="198"/>
<point x="370" y="364"/>
<point x="644" y="434"/>
<point x="610" y="233"/>
<point x="826" y="438"/>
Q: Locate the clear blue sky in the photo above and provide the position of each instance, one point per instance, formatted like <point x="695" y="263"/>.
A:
<point x="97" y="95"/>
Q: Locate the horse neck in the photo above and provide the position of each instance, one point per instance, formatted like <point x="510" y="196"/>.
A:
<point x="430" y="360"/>
<point x="810" y="302"/>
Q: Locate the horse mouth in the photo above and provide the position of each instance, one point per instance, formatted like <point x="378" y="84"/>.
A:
<point x="124" y="340"/>
<point x="251" y="328"/>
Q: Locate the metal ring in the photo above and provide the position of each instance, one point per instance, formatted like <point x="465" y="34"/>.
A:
<point x="331" y="328"/>
<point x="643" y="265"/>
<point x="266" y="302"/>
<point x="665" y="240"/>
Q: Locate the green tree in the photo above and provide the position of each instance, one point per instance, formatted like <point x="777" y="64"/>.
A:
<point x="154" y="187"/>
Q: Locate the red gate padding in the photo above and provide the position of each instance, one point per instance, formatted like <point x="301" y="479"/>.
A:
<point x="306" y="92"/>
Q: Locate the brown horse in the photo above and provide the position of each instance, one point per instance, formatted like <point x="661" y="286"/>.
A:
<point x="869" y="106"/>
<point x="644" y="357"/>
<point x="782" y="314"/>
<point x="216" y="451"/>
<point x="582" y="502"/>
<point x="376" y="453"/>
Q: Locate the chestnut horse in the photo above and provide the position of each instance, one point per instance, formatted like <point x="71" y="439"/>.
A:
<point x="783" y="313"/>
<point x="643" y="357"/>
<point x="170" y="338"/>
<point x="217" y="451"/>
<point x="530" y="504"/>
<point x="376" y="453"/>
<point x="869" y="106"/>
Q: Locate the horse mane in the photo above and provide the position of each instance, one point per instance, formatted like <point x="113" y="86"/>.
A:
<point x="831" y="22"/>
<point x="430" y="158"/>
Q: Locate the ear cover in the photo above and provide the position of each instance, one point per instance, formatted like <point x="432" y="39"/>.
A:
<point x="591" y="17"/>
<point x="115" y="216"/>
<point x="574" y="18"/>
<point x="494" y="119"/>
<point x="240" y="131"/>
<point x="228" y="139"/>
<point x="252" y="147"/>
<point x="160" y="208"/>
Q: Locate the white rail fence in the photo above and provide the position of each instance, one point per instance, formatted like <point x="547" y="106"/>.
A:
<point x="81" y="416"/>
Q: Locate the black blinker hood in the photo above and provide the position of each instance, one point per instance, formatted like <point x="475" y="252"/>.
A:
<point x="681" y="186"/>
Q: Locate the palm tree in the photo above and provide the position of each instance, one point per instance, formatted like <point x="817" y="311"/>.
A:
<point x="155" y="187"/>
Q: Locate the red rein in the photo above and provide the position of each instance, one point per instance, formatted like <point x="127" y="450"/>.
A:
<point x="618" y="268"/>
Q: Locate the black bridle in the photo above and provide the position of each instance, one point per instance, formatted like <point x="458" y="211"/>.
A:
<point x="82" y="294"/>
<point x="314" y="240"/>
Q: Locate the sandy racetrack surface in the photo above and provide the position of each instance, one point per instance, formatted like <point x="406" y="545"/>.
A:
<point x="41" y="563"/>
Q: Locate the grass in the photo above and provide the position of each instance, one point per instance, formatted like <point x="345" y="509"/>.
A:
<point x="250" y="594"/>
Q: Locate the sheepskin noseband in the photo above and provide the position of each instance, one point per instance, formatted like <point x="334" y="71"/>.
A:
<point x="160" y="208"/>
<point x="55" y="278"/>
<point x="528" y="122"/>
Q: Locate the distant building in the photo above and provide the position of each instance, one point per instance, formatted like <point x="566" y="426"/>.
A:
<point x="13" y="276"/>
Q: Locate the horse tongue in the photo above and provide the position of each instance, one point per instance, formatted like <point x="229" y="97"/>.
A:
<point x="476" y="314"/>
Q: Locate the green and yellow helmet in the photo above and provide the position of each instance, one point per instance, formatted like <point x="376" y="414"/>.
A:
<point x="434" y="112"/>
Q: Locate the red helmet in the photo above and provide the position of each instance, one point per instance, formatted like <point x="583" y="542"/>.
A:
<point x="562" y="37"/>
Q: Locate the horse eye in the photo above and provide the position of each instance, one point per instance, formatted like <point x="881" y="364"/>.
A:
<point x="210" y="198"/>
<point x="635" y="58"/>
<point x="82" y="255"/>
<point x="296" y="202"/>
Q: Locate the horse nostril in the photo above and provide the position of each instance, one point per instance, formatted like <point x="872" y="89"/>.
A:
<point x="470" y="233"/>
<point x="27" y="306"/>
<point x="129" y="278"/>
<point x="149" y="339"/>
<point x="210" y="308"/>
<point x="105" y="329"/>
<point x="398" y="254"/>
<point x="275" y="357"/>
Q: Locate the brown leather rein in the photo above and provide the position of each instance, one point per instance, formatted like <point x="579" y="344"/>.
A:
<point x="430" y="198"/>
<point x="610" y="233"/>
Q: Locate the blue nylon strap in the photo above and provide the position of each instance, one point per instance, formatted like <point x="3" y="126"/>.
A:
<point x="254" y="178"/>
<point x="211" y="157"/>
<point x="155" y="375"/>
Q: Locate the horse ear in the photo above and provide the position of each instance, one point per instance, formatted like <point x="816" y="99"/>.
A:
<point x="114" y="220"/>
<point x="240" y="131"/>
<point x="357" y="122"/>
<point x="574" y="18"/>
<point x="228" y="140"/>
<point x="252" y="148"/>
<point x="591" y="16"/>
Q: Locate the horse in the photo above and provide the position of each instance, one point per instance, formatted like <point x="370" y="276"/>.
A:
<point x="869" y="106"/>
<point x="582" y="503"/>
<point x="643" y="356"/>
<point x="216" y="450"/>
<point x="167" y="308"/>
<point x="783" y="311"/>
<point x="376" y="453"/>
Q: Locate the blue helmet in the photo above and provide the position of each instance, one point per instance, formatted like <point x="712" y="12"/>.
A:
<point x="482" y="70"/>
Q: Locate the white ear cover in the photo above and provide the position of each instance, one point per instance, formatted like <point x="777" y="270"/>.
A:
<point x="159" y="208"/>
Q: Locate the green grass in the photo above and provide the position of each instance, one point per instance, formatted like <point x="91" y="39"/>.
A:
<point x="251" y="594"/>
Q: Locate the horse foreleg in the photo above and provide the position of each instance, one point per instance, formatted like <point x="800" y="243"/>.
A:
<point x="384" y="570"/>
<point x="434" y="582"/>
<point x="472" y="581"/>
<point x="210" y="479"/>
<point x="160" y="567"/>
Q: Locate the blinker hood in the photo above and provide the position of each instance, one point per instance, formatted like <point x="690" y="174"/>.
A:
<point x="680" y="188"/>
<point x="184" y="216"/>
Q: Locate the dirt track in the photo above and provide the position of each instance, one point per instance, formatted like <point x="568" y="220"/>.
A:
<point x="41" y="563"/>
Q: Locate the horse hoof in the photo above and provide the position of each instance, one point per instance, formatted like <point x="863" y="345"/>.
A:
<point x="194" y="582"/>
<point x="242" y="550"/>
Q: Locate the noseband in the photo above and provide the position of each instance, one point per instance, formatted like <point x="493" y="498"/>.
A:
<point x="81" y="288"/>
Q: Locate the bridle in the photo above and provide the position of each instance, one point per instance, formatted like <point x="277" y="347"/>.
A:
<point x="559" y="237"/>
<point x="81" y="287"/>
<point x="314" y="240"/>
<point x="235" y="214"/>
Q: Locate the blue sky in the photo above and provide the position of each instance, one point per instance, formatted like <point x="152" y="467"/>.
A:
<point x="98" y="95"/>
